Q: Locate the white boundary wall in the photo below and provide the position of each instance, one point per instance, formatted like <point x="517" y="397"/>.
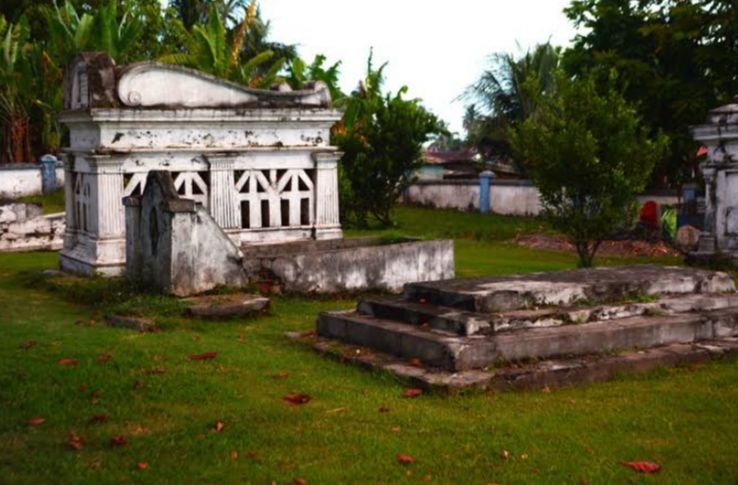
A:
<point x="19" y="179"/>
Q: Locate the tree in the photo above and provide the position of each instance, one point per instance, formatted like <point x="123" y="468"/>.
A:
<point x="381" y="136"/>
<point x="589" y="156"/>
<point x="214" y="49"/>
<point x="501" y="97"/>
<point x="675" y="59"/>
<point x="14" y="72"/>
<point x="299" y="73"/>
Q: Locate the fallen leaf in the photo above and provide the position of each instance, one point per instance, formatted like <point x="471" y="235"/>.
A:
<point x="82" y="388"/>
<point x="74" y="441"/>
<point x="142" y="466"/>
<point x="99" y="418"/>
<point x="241" y="339"/>
<point x="299" y="481"/>
<point x="95" y="394"/>
<point x="405" y="459"/>
<point x="414" y="392"/>
<point x="546" y="390"/>
<point x="426" y="478"/>
<point x="281" y="374"/>
<point x="524" y="456"/>
<point x="27" y="345"/>
<point x="79" y="322"/>
<point x="415" y="362"/>
<point x="68" y="362"/>
<point x="155" y="371"/>
<point x="643" y="466"/>
<point x="104" y="358"/>
<point x="252" y="454"/>
<point x="384" y="409"/>
<point x="218" y="426"/>
<point x="395" y="429"/>
<point x="504" y="454"/>
<point x="138" y="384"/>
<point x="296" y="399"/>
<point x="204" y="356"/>
<point x="140" y="430"/>
<point x="118" y="441"/>
<point x="422" y="301"/>
<point x="234" y="455"/>
<point x="336" y="410"/>
<point x="36" y="421"/>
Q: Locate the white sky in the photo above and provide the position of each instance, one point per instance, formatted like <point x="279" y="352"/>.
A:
<point x="436" y="48"/>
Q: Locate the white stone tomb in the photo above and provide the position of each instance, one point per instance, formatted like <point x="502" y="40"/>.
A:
<point x="259" y="161"/>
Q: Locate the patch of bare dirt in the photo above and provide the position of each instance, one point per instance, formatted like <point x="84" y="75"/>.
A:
<point x="607" y="248"/>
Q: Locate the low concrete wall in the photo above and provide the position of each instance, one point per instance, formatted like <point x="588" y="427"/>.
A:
<point x="23" y="228"/>
<point x="508" y="197"/>
<point x="19" y="179"/>
<point x="352" y="264"/>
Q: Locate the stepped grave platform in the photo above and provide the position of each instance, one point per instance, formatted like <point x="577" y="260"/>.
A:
<point x="538" y="330"/>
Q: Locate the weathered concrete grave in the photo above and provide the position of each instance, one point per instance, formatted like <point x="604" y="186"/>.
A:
<point x="720" y="135"/>
<point x="251" y="166"/>
<point x="539" y="329"/>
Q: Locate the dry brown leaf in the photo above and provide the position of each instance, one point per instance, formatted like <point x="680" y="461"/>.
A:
<point x="296" y="399"/>
<point x="504" y="454"/>
<point x="82" y="388"/>
<point x="118" y="441"/>
<point x="281" y="374"/>
<point x="68" y="362"/>
<point x="415" y="362"/>
<point x="74" y="441"/>
<point x="384" y="409"/>
<point x="218" y="426"/>
<point x="395" y="429"/>
<point x="299" y="481"/>
<point x="234" y="455"/>
<point x="203" y="356"/>
<point x="142" y="466"/>
<point x="643" y="466"/>
<point x="36" y="421"/>
<point x="104" y="358"/>
<point x="405" y="459"/>
<point x="99" y="418"/>
<point x="410" y="393"/>
<point x="28" y="344"/>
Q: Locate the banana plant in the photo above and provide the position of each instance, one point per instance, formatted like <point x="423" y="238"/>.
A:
<point x="213" y="49"/>
<point x="15" y="78"/>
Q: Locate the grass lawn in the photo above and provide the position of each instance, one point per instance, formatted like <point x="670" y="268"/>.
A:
<point x="166" y="406"/>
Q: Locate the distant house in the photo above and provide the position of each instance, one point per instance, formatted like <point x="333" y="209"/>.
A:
<point x="461" y="164"/>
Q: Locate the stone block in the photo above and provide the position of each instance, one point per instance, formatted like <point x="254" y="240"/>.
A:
<point x="132" y="323"/>
<point x="226" y="306"/>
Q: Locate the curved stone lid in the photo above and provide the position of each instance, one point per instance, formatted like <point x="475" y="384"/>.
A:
<point x="94" y="81"/>
<point x="151" y="84"/>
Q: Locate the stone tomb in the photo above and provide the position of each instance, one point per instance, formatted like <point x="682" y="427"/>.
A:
<point x="258" y="161"/>
<point x="246" y="186"/>
<point x="537" y="330"/>
<point x="720" y="135"/>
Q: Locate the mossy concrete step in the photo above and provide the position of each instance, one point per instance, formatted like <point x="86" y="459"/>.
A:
<point x="462" y="322"/>
<point x="568" y="288"/>
<point x="450" y="351"/>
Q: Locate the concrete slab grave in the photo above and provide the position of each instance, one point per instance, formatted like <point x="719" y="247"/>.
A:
<point x="469" y="332"/>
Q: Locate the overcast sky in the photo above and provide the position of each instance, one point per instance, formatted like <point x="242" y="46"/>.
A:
<point x="436" y="48"/>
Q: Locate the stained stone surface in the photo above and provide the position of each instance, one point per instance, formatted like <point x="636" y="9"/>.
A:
<point x="469" y="326"/>
<point x="226" y="306"/>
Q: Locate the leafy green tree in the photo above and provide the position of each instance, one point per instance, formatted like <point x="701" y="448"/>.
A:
<point x="589" y="156"/>
<point x="381" y="136"/>
<point x="14" y="72"/>
<point x="214" y="49"/>
<point x="299" y="74"/>
<point x="501" y="96"/>
<point x="676" y="60"/>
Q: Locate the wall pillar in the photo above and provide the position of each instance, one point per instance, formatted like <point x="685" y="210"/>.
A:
<point x="484" y="194"/>
<point x="327" y="218"/>
<point x="223" y="196"/>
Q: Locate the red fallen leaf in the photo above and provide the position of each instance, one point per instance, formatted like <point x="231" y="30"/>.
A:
<point x="36" y="421"/>
<point x="423" y="301"/>
<point x="99" y="418"/>
<point x="384" y="409"/>
<point x="218" y="426"/>
<point x="142" y="466"/>
<point x="95" y="394"/>
<point x="27" y="345"/>
<point x="405" y="459"/>
<point x="68" y="362"/>
<point x="74" y="441"/>
<point x="296" y="399"/>
<point x="118" y="441"/>
<point x="643" y="466"/>
<point x="283" y="374"/>
<point x="504" y="454"/>
<point x="299" y="481"/>
<point x="204" y="356"/>
<point x="104" y="358"/>
<point x="395" y="429"/>
<point x="252" y="454"/>
<point x="234" y="455"/>
<point x="415" y="362"/>
<point x="79" y="322"/>
<point x="410" y="393"/>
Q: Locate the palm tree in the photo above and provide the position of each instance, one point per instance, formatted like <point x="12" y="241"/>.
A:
<point x="14" y="72"/>
<point x="505" y="95"/>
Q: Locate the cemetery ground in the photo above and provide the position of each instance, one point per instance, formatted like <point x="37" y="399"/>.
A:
<point x="126" y="399"/>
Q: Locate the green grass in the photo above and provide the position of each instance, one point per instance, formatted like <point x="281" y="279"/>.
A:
<point x="685" y="419"/>
<point x="50" y="203"/>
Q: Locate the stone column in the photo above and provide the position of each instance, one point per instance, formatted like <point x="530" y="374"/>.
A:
<point x="223" y="203"/>
<point x="70" y="232"/>
<point x="327" y="221"/>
